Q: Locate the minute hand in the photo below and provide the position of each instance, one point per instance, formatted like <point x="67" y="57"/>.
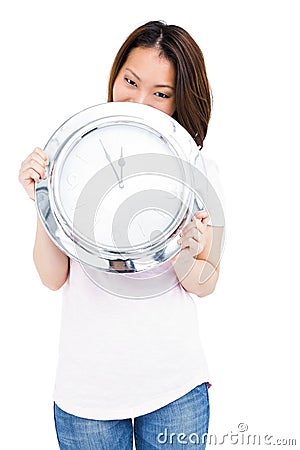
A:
<point x="121" y="162"/>
<point x="109" y="160"/>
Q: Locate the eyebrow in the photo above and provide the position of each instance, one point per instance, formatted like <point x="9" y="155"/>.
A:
<point x="157" y="85"/>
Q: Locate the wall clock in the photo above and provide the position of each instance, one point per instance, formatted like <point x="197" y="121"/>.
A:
<point x="119" y="186"/>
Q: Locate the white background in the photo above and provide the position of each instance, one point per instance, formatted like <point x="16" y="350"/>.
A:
<point x="55" y="61"/>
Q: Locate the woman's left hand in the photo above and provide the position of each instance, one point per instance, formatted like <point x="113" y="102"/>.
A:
<point x="193" y="237"/>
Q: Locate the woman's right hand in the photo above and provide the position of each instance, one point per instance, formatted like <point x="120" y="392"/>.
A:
<point x="32" y="169"/>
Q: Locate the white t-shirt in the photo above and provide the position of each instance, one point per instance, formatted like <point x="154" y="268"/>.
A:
<point x="121" y="356"/>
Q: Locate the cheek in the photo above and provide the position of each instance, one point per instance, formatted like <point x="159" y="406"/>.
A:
<point x="169" y="109"/>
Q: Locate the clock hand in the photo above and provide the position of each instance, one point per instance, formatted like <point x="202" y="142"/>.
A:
<point x="121" y="163"/>
<point x="141" y="229"/>
<point x="110" y="161"/>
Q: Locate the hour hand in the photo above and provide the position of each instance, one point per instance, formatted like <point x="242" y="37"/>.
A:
<point x="109" y="160"/>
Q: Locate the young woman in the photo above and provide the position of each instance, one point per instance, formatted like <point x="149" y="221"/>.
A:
<point x="137" y="367"/>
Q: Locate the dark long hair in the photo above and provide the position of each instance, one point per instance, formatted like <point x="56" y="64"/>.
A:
<point x="193" y="93"/>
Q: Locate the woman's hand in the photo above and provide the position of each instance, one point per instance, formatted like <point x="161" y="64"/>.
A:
<point x="51" y="263"/>
<point x="193" y="237"/>
<point x="33" y="168"/>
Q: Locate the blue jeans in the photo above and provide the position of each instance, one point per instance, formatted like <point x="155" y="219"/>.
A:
<point x="180" y="424"/>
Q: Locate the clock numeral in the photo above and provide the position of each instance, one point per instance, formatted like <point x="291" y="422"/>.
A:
<point x="72" y="180"/>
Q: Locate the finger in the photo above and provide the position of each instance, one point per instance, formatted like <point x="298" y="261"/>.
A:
<point x="29" y="177"/>
<point x="35" y="156"/>
<point x="201" y="214"/>
<point x="195" y="247"/>
<point x="39" y="151"/>
<point x="203" y="222"/>
<point x="188" y="227"/>
<point x="195" y="223"/>
<point x="27" y="166"/>
<point x="192" y="233"/>
<point x="201" y="225"/>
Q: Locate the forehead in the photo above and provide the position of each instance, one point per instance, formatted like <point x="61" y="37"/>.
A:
<point x="149" y="62"/>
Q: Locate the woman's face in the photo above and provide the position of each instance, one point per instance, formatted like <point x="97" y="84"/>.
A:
<point x="148" y="78"/>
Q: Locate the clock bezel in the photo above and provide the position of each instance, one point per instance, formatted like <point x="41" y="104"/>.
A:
<point x="60" y="144"/>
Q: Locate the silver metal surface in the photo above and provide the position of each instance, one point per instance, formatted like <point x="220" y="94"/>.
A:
<point x="119" y="186"/>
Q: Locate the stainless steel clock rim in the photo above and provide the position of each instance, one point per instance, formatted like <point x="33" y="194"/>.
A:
<point x="82" y="131"/>
<point x="113" y="109"/>
<point x="142" y="261"/>
<point x="148" y="259"/>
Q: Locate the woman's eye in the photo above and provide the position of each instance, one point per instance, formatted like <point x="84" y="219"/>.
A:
<point x="129" y="81"/>
<point x="161" y="95"/>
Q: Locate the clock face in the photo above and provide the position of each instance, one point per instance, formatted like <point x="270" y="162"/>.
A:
<point x="118" y="185"/>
